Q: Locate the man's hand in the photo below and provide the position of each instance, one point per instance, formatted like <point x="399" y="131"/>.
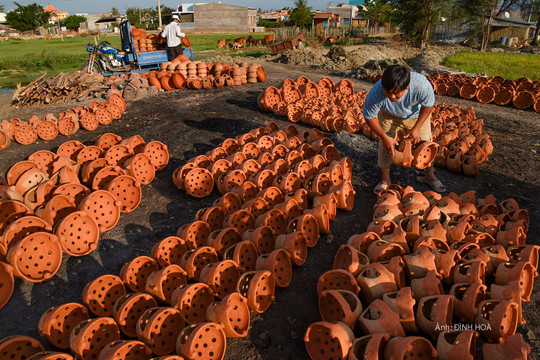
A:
<point x="389" y="143"/>
<point x="413" y="135"/>
<point x="159" y="28"/>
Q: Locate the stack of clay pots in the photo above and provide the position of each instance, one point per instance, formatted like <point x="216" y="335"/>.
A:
<point x="193" y="75"/>
<point x="523" y="93"/>
<point x="60" y="203"/>
<point x="150" y="43"/>
<point x="67" y="123"/>
<point x="462" y="143"/>
<point x="199" y="287"/>
<point x="323" y="104"/>
<point x="430" y="276"/>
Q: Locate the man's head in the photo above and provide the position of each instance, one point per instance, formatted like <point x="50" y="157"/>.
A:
<point x="175" y="18"/>
<point x="395" y="81"/>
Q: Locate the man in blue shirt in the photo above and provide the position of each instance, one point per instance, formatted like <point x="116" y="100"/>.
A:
<point x="400" y="100"/>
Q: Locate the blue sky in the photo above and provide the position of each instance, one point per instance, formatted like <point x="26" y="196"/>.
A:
<point x="100" y="6"/>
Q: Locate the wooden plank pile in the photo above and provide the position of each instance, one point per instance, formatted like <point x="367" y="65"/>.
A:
<point x="65" y="87"/>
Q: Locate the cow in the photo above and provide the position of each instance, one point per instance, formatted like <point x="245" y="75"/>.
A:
<point x="252" y="41"/>
<point x="269" y="39"/>
<point x="239" y="43"/>
<point x="259" y="42"/>
<point x="222" y="43"/>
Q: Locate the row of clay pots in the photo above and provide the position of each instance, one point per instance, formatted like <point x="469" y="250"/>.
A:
<point x="440" y="253"/>
<point x="60" y="203"/>
<point x="68" y="122"/>
<point x="217" y="269"/>
<point x="336" y="108"/>
<point x="151" y="42"/>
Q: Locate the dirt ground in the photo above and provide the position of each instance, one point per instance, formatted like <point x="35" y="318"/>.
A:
<point x="191" y="123"/>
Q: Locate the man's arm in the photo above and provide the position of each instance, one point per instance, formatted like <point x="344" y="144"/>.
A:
<point x="179" y="33"/>
<point x="414" y="133"/>
<point x="387" y="140"/>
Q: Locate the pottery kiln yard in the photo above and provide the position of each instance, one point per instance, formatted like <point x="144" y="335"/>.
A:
<point x="258" y="223"/>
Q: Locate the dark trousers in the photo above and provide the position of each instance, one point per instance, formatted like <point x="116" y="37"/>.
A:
<point x="175" y="51"/>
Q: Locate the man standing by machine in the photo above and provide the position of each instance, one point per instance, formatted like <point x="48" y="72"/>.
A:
<point x="173" y="35"/>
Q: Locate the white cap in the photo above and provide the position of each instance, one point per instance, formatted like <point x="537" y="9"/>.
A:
<point x="175" y="17"/>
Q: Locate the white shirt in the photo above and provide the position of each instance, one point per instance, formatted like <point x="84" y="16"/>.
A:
<point x="173" y="34"/>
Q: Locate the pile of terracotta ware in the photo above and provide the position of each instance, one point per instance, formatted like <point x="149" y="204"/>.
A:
<point x="199" y="287"/>
<point x="522" y="93"/>
<point x="67" y="123"/>
<point x="55" y="203"/>
<point x="144" y="43"/>
<point x="193" y="75"/>
<point x="430" y="275"/>
<point x="65" y="87"/>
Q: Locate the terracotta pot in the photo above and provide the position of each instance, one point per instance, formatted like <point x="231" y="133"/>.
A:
<point x="268" y="98"/>
<point x="72" y="190"/>
<point x="159" y="327"/>
<point x="19" y="229"/>
<point x="350" y="259"/>
<point x="125" y="349"/>
<point x="243" y="253"/>
<point x="116" y="99"/>
<point x="25" y="135"/>
<point x="258" y="288"/>
<point x="229" y="203"/>
<point x="50" y="355"/>
<point x="135" y="272"/>
<point x="19" y="347"/>
<point x="202" y="341"/>
<point x="192" y="300"/>
<point x="101" y="294"/>
<point x="128" y="309"/>
<point x="162" y="283"/>
<point x="36" y="258"/>
<point x="6" y="283"/>
<point x="378" y="317"/>
<point x="522" y="271"/>
<point x="5" y="140"/>
<point x="453" y="344"/>
<point x="433" y="310"/>
<point x="337" y="279"/>
<point x="89" y="337"/>
<point x="514" y="346"/>
<point x="232" y="313"/>
<point x="194" y="260"/>
<point x="169" y="251"/>
<point x="56" y="323"/>
<point x="498" y="319"/>
<point x="127" y="190"/>
<point x="103" y="207"/>
<point x="11" y="210"/>
<point x="523" y="253"/>
<point x="158" y="154"/>
<point x="324" y="338"/>
<point x="375" y="280"/>
<point x="368" y="347"/>
<point x="340" y="305"/>
<point x="410" y="346"/>
<point x="470" y="272"/>
<point x="29" y="179"/>
<point x="221" y="276"/>
<point x="195" y="234"/>
<point x="17" y="170"/>
<point x="108" y="140"/>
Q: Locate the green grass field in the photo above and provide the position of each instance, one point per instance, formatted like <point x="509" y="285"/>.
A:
<point x="21" y="61"/>
<point x="509" y="66"/>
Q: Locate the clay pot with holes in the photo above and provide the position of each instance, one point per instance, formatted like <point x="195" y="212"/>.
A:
<point x="6" y="283"/>
<point x="199" y="183"/>
<point x="103" y="207"/>
<point x="50" y="355"/>
<point x="70" y="149"/>
<point x="118" y="100"/>
<point x="135" y="272"/>
<point x="202" y="341"/>
<point x="126" y="350"/>
<point x="159" y="327"/>
<point x="74" y="191"/>
<point x="25" y="135"/>
<point x="134" y="143"/>
<point x="192" y="300"/>
<point x="108" y="140"/>
<point x="47" y="130"/>
<point x="127" y="190"/>
<point x="340" y="305"/>
<point x="128" y="309"/>
<point x="158" y="154"/>
<point x="180" y="173"/>
<point x="262" y="237"/>
<point x="169" y="251"/>
<point x="29" y="179"/>
<point x="89" y="337"/>
<point x="258" y="288"/>
<point x="140" y="167"/>
<point x="222" y="239"/>
<point x="5" y="140"/>
<point x="101" y="294"/>
<point x="20" y="228"/>
<point x="36" y="258"/>
<point x="162" y="283"/>
<point x="213" y="216"/>
<point x="278" y="262"/>
<point x="295" y="244"/>
<point x="117" y="154"/>
<point x="89" y="122"/>
<point x="337" y="279"/>
<point x="221" y="276"/>
<point x="58" y="207"/>
<point x="232" y="313"/>
<point x="195" y="234"/>
<point x="11" y="210"/>
<point x="323" y="338"/>
<point x="17" y="170"/>
<point x="78" y="233"/>
<point x="68" y="125"/>
<point x="103" y="116"/>
<point x="19" y="347"/>
<point x="194" y="260"/>
<point x="243" y="253"/>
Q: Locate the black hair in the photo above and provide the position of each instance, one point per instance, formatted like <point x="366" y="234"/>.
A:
<point x="396" y="77"/>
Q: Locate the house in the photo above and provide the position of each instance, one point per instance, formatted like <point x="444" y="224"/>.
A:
<point x="324" y="20"/>
<point x="3" y="20"/>
<point x="56" y="15"/>
<point x="217" y="17"/>
<point x="105" y="24"/>
<point x="512" y="25"/>
<point x="275" y="16"/>
<point x="350" y="15"/>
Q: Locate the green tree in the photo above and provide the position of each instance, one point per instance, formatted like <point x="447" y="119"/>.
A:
<point x="481" y="14"/>
<point x="416" y="17"/>
<point x="115" y="12"/>
<point x="301" y="15"/>
<point x="28" y="17"/>
<point x="530" y="10"/>
<point x="377" y="11"/>
<point x="72" y="21"/>
<point x="2" y="8"/>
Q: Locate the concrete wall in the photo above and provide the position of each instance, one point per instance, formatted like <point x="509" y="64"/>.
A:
<point x="224" y="17"/>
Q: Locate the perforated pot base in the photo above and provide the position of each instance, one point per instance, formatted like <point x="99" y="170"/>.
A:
<point x="140" y="167"/>
<point x="75" y="191"/>
<point x="25" y="135"/>
<point x="19" y="168"/>
<point x="47" y="130"/>
<point x="56" y="324"/>
<point x="19" y="347"/>
<point x="88" y="154"/>
<point x="101" y="294"/>
<point x="37" y="257"/>
<point x="202" y="341"/>
<point x="127" y="191"/>
<point x="199" y="183"/>
<point x="103" y="207"/>
<point x="6" y="283"/>
<point x="135" y="272"/>
<point x="89" y="337"/>
<point x="158" y="154"/>
<point x="163" y="282"/>
<point x="107" y="140"/>
<point x="125" y="350"/>
<point x="21" y="228"/>
<point x="159" y="328"/>
<point x="192" y="300"/>
<point x="70" y="149"/>
<point x="128" y="309"/>
<point x="117" y="154"/>
<point x="169" y="251"/>
<point x="44" y="160"/>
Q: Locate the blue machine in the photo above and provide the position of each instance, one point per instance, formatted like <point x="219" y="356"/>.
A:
<point x="110" y="61"/>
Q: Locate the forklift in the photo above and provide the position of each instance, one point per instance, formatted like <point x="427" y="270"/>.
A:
<point x="108" y="60"/>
